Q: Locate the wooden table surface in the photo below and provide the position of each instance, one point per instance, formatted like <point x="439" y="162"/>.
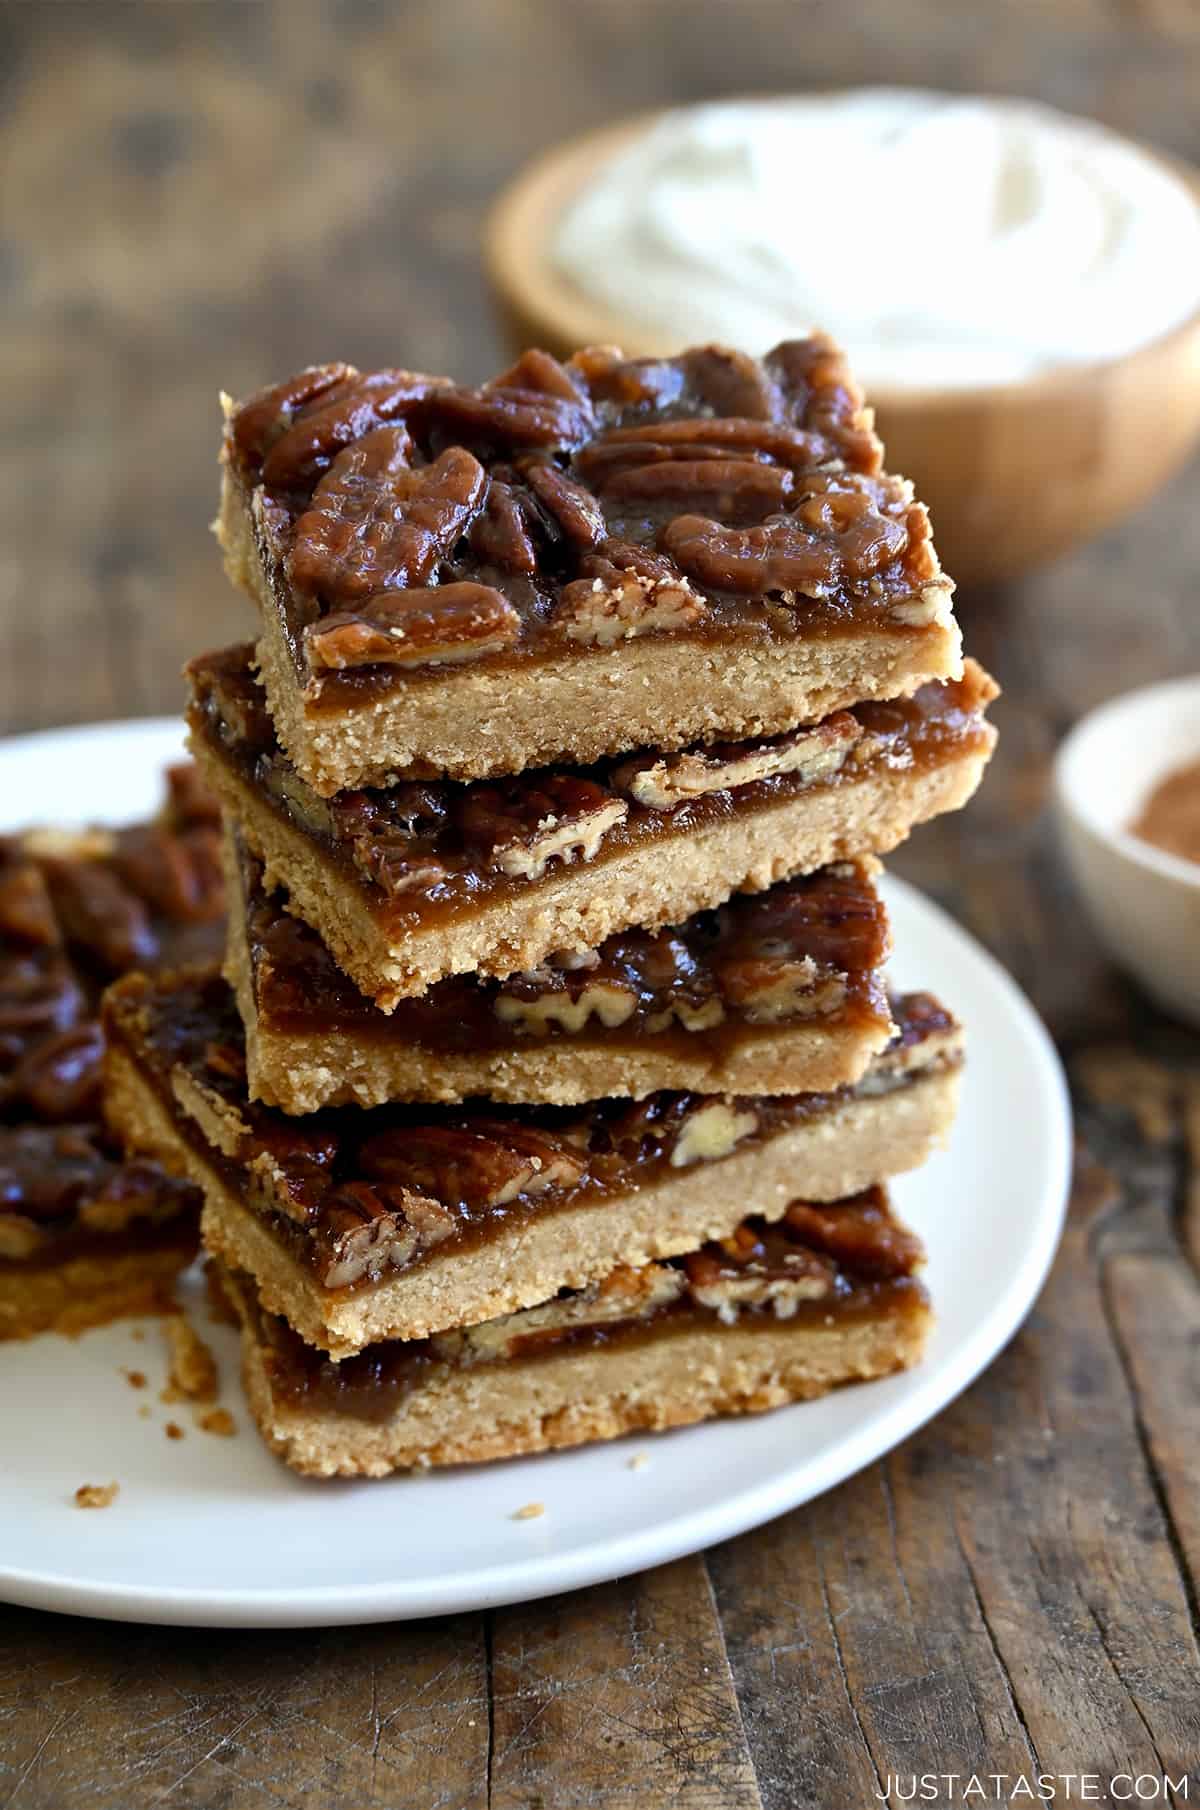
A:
<point x="206" y="196"/>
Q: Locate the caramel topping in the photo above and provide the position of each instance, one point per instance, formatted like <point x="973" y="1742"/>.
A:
<point x="598" y="499"/>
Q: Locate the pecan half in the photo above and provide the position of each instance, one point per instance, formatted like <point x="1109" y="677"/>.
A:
<point x="26" y="915"/>
<point x="378" y="524"/>
<point x="811" y="754"/>
<point x="520" y="828"/>
<point x="262" y="418"/>
<point x="177" y="874"/>
<point x="573" y="508"/>
<point x="438" y="626"/>
<point x="98" y="912"/>
<point x="499" y="535"/>
<point x="847" y="529"/>
<point x="738" y="491"/>
<point x="332" y="421"/>
<point x="504" y="420"/>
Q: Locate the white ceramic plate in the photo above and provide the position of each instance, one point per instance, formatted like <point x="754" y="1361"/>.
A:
<point x="215" y="1531"/>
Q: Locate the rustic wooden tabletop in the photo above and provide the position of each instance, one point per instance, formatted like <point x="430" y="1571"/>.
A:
<point x="199" y="196"/>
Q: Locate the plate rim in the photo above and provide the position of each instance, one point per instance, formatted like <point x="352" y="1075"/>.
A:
<point x="539" y="1575"/>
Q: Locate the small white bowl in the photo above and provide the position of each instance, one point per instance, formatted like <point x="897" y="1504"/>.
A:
<point x="1145" y="903"/>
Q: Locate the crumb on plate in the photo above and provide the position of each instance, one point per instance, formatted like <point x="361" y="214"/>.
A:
<point x="96" y="1495"/>
<point x="530" y="1512"/>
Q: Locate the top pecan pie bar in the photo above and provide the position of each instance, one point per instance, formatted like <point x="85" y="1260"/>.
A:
<point x="659" y="551"/>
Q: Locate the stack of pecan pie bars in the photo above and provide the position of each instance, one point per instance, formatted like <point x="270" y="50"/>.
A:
<point x="552" y="1086"/>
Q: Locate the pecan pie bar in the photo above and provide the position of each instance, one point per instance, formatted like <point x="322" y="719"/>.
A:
<point x="428" y="879"/>
<point x="573" y="560"/>
<point x="775" y="992"/>
<point x="84" y="1235"/>
<point x="774" y="1313"/>
<point x="407" y="1220"/>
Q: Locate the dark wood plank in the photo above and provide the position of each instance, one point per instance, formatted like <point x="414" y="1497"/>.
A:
<point x="93" y="1713"/>
<point x="620" y="1696"/>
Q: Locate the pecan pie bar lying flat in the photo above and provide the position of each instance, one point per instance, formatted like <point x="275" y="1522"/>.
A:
<point x="774" y="1313"/>
<point x="424" y="880"/>
<point x="573" y="560"/>
<point x="85" y="1236"/>
<point x="775" y="992"/>
<point x="407" y="1220"/>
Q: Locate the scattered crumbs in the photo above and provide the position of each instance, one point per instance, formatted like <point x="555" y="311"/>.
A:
<point x="144" y="1410"/>
<point x="135" y="1378"/>
<point x="193" y="1370"/>
<point x="170" y="1394"/>
<point x="219" y="1421"/>
<point x="96" y="1495"/>
<point x="638" y="1462"/>
<point x="137" y="1335"/>
<point x="530" y="1512"/>
<point x="173" y="1430"/>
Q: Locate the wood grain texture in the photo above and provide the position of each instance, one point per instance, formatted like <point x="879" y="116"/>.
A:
<point x="197" y="196"/>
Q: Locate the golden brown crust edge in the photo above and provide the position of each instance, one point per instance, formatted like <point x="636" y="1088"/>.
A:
<point x="469" y="1416"/>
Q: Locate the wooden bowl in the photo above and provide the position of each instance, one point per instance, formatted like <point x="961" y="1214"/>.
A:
<point x="1014" y="474"/>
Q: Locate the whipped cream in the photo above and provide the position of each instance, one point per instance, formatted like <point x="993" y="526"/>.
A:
<point x="944" y="240"/>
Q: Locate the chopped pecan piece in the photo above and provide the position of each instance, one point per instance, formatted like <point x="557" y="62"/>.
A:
<point x="377" y="524"/>
<point x="847" y="529"/>
<point x="711" y="1131"/>
<point x="737" y="1272"/>
<point x="521" y="828"/>
<point x="424" y="627"/>
<point x="473" y="1167"/>
<point x="622" y="592"/>
<point x="530" y="1003"/>
<point x="373" y="1229"/>
<point x="625" y="1294"/>
<point x="542" y="373"/>
<point x="771" y="989"/>
<point x="860" y="1235"/>
<point x="812" y="754"/>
